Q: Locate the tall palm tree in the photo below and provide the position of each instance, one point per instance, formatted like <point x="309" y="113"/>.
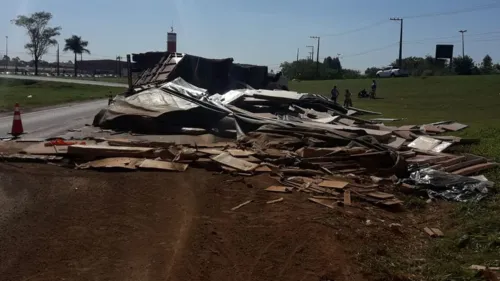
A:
<point x="77" y="46"/>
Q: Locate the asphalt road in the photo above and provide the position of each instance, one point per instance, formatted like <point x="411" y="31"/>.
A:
<point x="64" y="80"/>
<point x="55" y="121"/>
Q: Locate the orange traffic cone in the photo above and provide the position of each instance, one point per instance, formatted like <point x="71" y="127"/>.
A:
<point x="17" y="124"/>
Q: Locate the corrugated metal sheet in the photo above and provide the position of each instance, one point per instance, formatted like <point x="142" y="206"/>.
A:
<point x="159" y="73"/>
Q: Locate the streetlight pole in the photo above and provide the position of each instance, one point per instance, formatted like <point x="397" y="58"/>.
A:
<point x="400" y="62"/>
<point x="317" y="55"/>
<point x="58" y="71"/>
<point x="7" y="53"/>
<point x="311" y="52"/>
<point x="463" y="48"/>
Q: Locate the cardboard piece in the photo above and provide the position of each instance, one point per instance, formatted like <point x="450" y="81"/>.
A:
<point x="162" y="165"/>
<point x="333" y="184"/>
<point x="233" y="162"/>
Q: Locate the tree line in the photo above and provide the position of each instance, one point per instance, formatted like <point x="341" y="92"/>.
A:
<point x="42" y="36"/>
<point x="331" y="68"/>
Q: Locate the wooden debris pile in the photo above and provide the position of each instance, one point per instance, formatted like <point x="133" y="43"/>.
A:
<point x="331" y="162"/>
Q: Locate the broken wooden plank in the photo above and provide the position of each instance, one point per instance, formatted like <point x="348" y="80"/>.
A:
<point x="407" y="135"/>
<point x="325" y="197"/>
<point x="216" y="145"/>
<point x="300" y="172"/>
<point x="233" y="162"/>
<point x="437" y="231"/>
<point x="391" y="202"/>
<point x="163" y="165"/>
<point x="474" y="169"/>
<point x="347" y="198"/>
<point x="240" y="153"/>
<point x="250" y="159"/>
<point x="127" y="163"/>
<point x="482" y="267"/>
<point x="429" y="232"/>
<point x="263" y="169"/>
<point x="93" y="151"/>
<point x="210" y="151"/>
<point x="241" y="205"/>
<point x="274" y="201"/>
<point x="333" y="184"/>
<point x="465" y="164"/>
<point x="431" y="129"/>
<point x="380" y="195"/>
<point x="276" y="188"/>
<point x="324" y="202"/>
<point x="451" y="161"/>
<point x="396" y="143"/>
<point x="30" y="158"/>
<point x="140" y="143"/>
<point x="455" y="126"/>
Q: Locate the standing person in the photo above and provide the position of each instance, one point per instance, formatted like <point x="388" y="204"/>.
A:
<point x="347" y="99"/>
<point x="335" y="94"/>
<point x="374" y="89"/>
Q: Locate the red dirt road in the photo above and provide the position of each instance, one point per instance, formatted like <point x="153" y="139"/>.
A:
<point x="61" y="224"/>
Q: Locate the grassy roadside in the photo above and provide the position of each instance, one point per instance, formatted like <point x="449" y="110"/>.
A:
<point x="472" y="229"/>
<point x="44" y="93"/>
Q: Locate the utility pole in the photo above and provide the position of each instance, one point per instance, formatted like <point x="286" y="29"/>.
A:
<point x="311" y="52"/>
<point x="58" y="59"/>
<point x="317" y="55"/>
<point x="400" y="62"/>
<point x="7" y="53"/>
<point x="119" y="65"/>
<point x="297" y="63"/>
<point x="129" y="73"/>
<point x="463" y="48"/>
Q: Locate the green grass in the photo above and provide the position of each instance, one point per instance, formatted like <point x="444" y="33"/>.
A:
<point x="472" y="229"/>
<point x="122" y="80"/>
<point x="45" y="93"/>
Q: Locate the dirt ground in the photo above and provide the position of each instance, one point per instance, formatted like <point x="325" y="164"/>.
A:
<point x="62" y="224"/>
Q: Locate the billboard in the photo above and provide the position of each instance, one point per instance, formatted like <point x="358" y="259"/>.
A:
<point x="444" y="51"/>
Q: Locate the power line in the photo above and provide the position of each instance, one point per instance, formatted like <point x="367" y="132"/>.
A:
<point x="357" y="29"/>
<point x="371" y="50"/>
<point x="460" y="11"/>
<point x="455" y="12"/>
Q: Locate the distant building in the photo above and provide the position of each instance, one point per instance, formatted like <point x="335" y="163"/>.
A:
<point x="102" y="67"/>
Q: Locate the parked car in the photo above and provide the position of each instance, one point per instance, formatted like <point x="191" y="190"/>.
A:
<point x="392" y="72"/>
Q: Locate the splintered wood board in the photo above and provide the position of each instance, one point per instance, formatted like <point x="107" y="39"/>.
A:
<point x="333" y="184"/>
<point x="276" y="188"/>
<point x="380" y="195"/>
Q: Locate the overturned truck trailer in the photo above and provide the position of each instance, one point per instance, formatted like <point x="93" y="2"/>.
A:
<point x="189" y="91"/>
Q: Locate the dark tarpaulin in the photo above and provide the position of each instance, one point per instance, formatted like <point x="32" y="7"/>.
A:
<point x="210" y="74"/>
<point x="253" y="75"/>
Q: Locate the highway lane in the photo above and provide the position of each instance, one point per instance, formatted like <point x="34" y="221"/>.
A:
<point x="64" y="80"/>
<point x="55" y="121"/>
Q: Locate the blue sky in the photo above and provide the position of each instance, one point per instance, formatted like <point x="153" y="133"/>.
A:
<point x="265" y="32"/>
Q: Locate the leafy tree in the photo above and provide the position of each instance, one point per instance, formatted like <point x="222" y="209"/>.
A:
<point x="41" y="36"/>
<point x="487" y="65"/>
<point x="77" y="46"/>
<point x="496" y="67"/>
<point x="333" y="63"/>
<point x="371" y="72"/>
<point x="463" y="65"/>
<point x="6" y="58"/>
